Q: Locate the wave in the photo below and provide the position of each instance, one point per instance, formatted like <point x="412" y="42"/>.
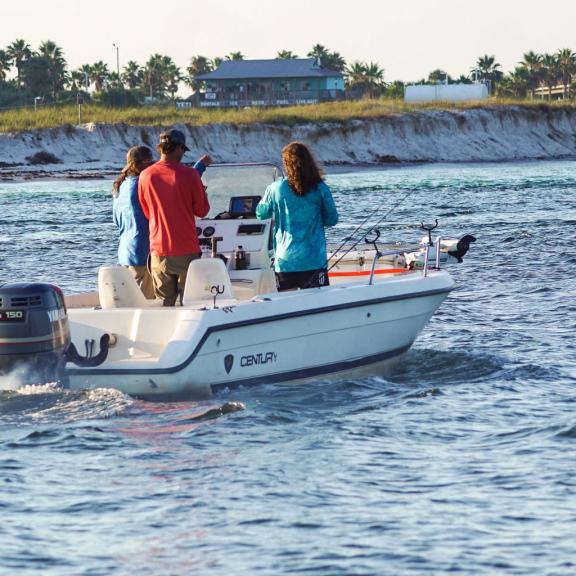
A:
<point x="45" y="403"/>
<point x="435" y="367"/>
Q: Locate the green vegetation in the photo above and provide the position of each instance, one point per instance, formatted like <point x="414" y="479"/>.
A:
<point x="51" y="117"/>
<point x="38" y="90"/>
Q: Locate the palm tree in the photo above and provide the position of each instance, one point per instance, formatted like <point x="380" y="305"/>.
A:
<point x="215" y="62"/>
<point x="77" y="80"/>
<point x="115" y="80"/>
<point x="329" y="60"/>
<point x="550" y="72"/>
<point x="99" y="75"/>
<point x="153" y="75"/>
<point x="235" y="56"/>
<point x="463" y="79"/>
<point x="355" y="73"/>
<point x="5" y="64"/>
<point x="318" y="51"/>
<point x="132" y="75"/>
<point x="172" y="76"/>
<point x="56" y="65"/>
<point x="19" y="51"/>
<point x="356" y="80"/>
<point x="36" y="75"/>
<point x="516" y="84"/>
<point x="566" y="61"/>
<point x="161" y="75"/>
<point x="86" y="71"/>
<point x="334" y="62"/>
<point x="286" y="55"/>
<point x="488" y="70"/>
<point x="532" y="63"/>
<point x="439" y="77"/>
<point x="198" y="65"/>
<point x="374" y="78"/>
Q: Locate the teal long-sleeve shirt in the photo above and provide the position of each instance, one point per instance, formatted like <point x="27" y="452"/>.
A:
<point x="299" y="221"/>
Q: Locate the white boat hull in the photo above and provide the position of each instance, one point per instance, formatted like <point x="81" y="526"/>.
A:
<point x="289" y="337"/>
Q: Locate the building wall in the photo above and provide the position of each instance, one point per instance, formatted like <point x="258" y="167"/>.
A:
<point x="445" y="92"/>
<point x="282" y="84"/>
<point x="270" y="92"/>
<point x="335" y="83"/>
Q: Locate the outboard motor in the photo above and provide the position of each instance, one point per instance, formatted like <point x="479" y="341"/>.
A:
<point x="34" y="331"/>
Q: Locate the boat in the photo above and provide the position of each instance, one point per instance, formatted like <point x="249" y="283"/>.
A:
<point x="232" y="328"/>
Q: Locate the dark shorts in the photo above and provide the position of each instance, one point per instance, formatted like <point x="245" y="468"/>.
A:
<point x="306" y="279"/>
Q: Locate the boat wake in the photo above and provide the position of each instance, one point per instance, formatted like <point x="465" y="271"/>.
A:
<point x="49" y="402"/>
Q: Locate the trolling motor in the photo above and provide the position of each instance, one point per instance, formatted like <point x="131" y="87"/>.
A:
<point x="462" y="247"/>
<point x="35" y="334"/>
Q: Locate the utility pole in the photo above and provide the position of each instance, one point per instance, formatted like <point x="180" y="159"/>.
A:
<point x="79" y="101"/>
<point x="117" y="62"/>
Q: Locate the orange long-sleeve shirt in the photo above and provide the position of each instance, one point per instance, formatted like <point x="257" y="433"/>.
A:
<point x="171" y="195"/>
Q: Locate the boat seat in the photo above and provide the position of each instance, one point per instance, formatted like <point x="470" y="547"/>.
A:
<point x="117" y="288"/>
<point x="203" y="274"/>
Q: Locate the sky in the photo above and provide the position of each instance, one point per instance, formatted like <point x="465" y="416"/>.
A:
<point x="408" y="39"/>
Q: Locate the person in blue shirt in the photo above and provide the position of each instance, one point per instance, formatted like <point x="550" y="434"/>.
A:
<point x="301" y="205"/>
<point x="134" y="245"/>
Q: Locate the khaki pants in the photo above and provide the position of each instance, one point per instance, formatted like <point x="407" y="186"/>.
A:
<point x="169" y="276"/>
<point x="144" y="280"/>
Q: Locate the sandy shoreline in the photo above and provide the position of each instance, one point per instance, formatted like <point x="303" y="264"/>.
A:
<point x="473" y="135"/>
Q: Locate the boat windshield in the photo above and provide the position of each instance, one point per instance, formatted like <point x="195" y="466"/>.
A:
<point x="224" y="181"/>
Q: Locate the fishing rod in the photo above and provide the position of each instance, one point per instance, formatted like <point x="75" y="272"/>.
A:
<point x="351" y="236"/>
<point x="367" y="232"/>
<point x="348" y="238"/>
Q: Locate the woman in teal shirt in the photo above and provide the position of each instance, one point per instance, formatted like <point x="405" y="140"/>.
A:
<point x="302" y="206"/>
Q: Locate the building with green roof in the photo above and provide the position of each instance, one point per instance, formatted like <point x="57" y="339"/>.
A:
<point x="240" y="83"/>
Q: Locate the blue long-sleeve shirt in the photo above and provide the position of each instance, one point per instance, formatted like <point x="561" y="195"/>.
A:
<point x="134" y="244"/>
<point x="299" y="221"/>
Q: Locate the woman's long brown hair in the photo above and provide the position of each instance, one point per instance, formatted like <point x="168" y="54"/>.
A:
<point x="134" y="165"/>
<point x="301" y="169"/>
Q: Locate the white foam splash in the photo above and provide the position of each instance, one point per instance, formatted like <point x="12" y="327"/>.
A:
<point x="47" y="388"/>
<point x="87" y="404"/>
<point x="14" y="380"/>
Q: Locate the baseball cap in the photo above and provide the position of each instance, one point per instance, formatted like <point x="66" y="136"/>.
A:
<point x="174" y="136"/>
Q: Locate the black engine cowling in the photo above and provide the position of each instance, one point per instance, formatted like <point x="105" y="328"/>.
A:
<point x="34" y="330"/>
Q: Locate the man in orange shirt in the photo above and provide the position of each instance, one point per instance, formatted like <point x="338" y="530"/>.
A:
<point x="171" y="195"/>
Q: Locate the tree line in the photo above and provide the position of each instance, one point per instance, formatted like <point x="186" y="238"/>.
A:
<point x="27" y="74"/>
<point x="535" y="71"/>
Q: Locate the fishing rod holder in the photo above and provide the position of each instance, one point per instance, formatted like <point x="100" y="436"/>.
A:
<point x="377" y="253"/>
<point x="430" y="244"/>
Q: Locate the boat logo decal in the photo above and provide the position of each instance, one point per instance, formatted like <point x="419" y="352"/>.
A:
<point x="228" y="363"/>
<point x="257" y="359"/>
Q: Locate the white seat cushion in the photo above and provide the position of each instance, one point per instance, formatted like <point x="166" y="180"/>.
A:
<point x="117" y="288"/>
<point x="203" y="277"/>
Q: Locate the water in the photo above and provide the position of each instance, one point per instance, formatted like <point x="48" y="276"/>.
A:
<point x="461" y="461"/>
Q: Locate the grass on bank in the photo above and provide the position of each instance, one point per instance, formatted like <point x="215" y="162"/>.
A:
<point x="53" y="116"/>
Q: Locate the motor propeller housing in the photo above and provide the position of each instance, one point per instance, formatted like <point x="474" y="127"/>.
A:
<point x="34" y="330"/>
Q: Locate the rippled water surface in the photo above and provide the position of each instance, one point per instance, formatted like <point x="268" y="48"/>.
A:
<point x="461" y="461"/>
